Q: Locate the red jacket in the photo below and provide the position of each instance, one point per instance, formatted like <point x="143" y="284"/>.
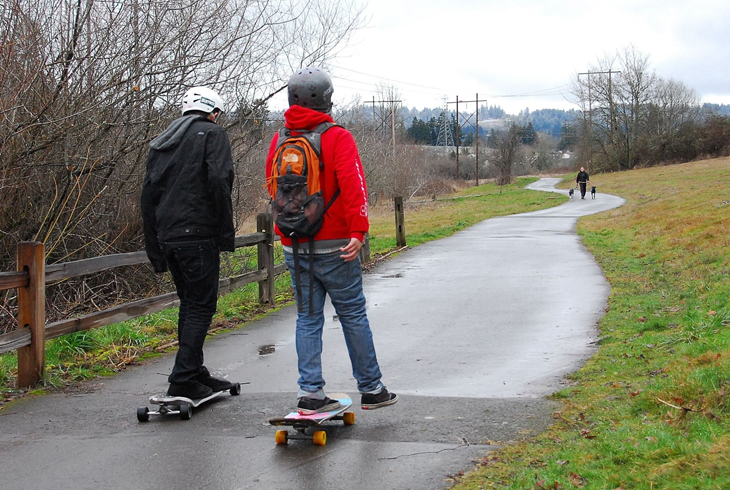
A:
<point x="348" y="216"/>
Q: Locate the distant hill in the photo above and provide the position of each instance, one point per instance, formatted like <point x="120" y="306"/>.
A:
<point x="721" y="109"/>
<point x="548" y="121"/>
<point x="485" y="112"/>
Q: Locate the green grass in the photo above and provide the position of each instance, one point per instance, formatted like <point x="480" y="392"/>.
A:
<point x="103" y="351"/>
<point x="650" y="409"/>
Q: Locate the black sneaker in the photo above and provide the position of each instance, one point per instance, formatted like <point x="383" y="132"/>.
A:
<point x="308" y="406"/>
<point x="215" y="384"/>
<point x="382" y="399"/>
<point x="192" y="390"/>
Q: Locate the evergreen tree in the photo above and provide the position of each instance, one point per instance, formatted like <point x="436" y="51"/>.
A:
<point x="568" y="137"/>
<point x="492" y="139"/>
<point x="419" y="132"/>
<point x="433" y="126"/>
<point x="529" y="135"/>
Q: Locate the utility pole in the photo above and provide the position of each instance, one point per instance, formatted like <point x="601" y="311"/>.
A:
<point x="392" y="130"/>
<point x="612" y="118"/>
<point x="382" y="118"/>
<point x="476" y="170"/>
<point x="476" y="128"/>
<point x="458" y="137"/>
<point x="590" y="107"/>
<point x="373" y="110"/>
<point x="610" y="96"/>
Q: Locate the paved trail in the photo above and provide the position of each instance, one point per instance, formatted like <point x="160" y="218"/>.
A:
<point x="472" y="331"/>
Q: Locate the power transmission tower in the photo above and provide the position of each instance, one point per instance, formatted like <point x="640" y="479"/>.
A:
<point x="445" y="138"/>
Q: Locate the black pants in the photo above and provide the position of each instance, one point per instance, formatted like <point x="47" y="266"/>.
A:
<point x="195" y="269"/>
<point x="582" y="189"/>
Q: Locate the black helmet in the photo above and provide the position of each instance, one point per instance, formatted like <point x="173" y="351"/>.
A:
<point x="311" y="88"/>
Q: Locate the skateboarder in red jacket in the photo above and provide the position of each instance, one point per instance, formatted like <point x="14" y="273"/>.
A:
<point x="336" y="261"/>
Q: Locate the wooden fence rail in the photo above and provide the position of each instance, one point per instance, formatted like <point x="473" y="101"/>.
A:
<point x="29" y="339"/>
<point x="32" y="276"/>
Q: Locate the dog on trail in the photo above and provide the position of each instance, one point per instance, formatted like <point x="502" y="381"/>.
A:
<point x="570" y="192"/>
<point x="593" y="192"/>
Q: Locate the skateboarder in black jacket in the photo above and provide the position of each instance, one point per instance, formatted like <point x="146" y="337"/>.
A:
<point x="188" y="219"/>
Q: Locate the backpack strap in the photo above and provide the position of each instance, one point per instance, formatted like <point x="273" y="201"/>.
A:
<point x="297" y="277"/>
<point x="284" y="133"/>
<point x="311" y="275"/>
<point x="314" y="136"/>
<point x="337" y="193"/>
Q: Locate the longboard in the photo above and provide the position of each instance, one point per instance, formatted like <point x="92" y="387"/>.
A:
<point x="301" y="422"/>
<point x="180" y="405"/>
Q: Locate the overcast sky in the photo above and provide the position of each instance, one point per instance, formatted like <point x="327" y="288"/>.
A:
<point x="524" y="53"/>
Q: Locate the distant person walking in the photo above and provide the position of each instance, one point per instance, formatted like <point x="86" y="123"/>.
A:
<point x="329" y="264"/>
<point x="188" y="219"/>
<point x="582" y="180"/>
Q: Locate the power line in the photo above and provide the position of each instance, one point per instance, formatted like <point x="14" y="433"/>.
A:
<point x="546" y="92"/>
<point x="388" y="79"/>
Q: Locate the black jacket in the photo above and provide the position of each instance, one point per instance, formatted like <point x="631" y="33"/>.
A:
<point x="187" y="187"/>
<point x="582" y="178"/>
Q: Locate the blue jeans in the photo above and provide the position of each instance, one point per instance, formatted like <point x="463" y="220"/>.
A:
<point x="195" y="268"/>
<point x="343" y="282"/>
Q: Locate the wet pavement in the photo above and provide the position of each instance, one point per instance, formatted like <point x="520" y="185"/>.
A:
<point x="472" y="332"/>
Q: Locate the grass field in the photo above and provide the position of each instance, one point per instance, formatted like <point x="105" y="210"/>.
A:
<point x="103" y="351"/>
<point x="650" y="410"/>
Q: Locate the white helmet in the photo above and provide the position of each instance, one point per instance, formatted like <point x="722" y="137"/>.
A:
<point x="202" y="99"/>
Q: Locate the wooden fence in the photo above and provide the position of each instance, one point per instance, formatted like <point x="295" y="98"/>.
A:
<point x="32" y="275"/>
<point x="29" y="339"/>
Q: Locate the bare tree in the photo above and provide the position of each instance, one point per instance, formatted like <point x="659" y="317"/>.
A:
<point x="379" y="130"/>
<point x="85" y="84"/>
<point x="507" y="146"/>
<point x="629" y="112"/>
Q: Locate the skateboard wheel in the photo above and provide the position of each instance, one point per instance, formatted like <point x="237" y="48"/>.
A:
<point x="282" y="436"/>
<point x="319" y="438"/>
<point x="348" y="418"/>
<point x="236" y="389"/>
<point x="186" y="411"/>
<point x="143" y="414"/>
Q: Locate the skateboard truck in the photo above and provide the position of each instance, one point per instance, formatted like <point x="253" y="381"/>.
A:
<point x="301" y="423"/>
<point x="180" y="405"/>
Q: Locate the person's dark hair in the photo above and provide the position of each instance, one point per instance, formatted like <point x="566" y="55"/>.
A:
<point x="200" y="113"/>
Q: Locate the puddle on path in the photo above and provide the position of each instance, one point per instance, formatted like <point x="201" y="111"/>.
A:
<point x="266" y="350"/>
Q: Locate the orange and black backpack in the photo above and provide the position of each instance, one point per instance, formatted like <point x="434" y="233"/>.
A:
<point x="297" y="202"/>
<point x="298" y="205"/>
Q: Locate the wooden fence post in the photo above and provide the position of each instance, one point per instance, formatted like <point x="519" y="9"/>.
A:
<point x="32" y="313"/>
<point x="267" y="291"/>
<point x="365" y="250"/>
<point x="400" y="225"/>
